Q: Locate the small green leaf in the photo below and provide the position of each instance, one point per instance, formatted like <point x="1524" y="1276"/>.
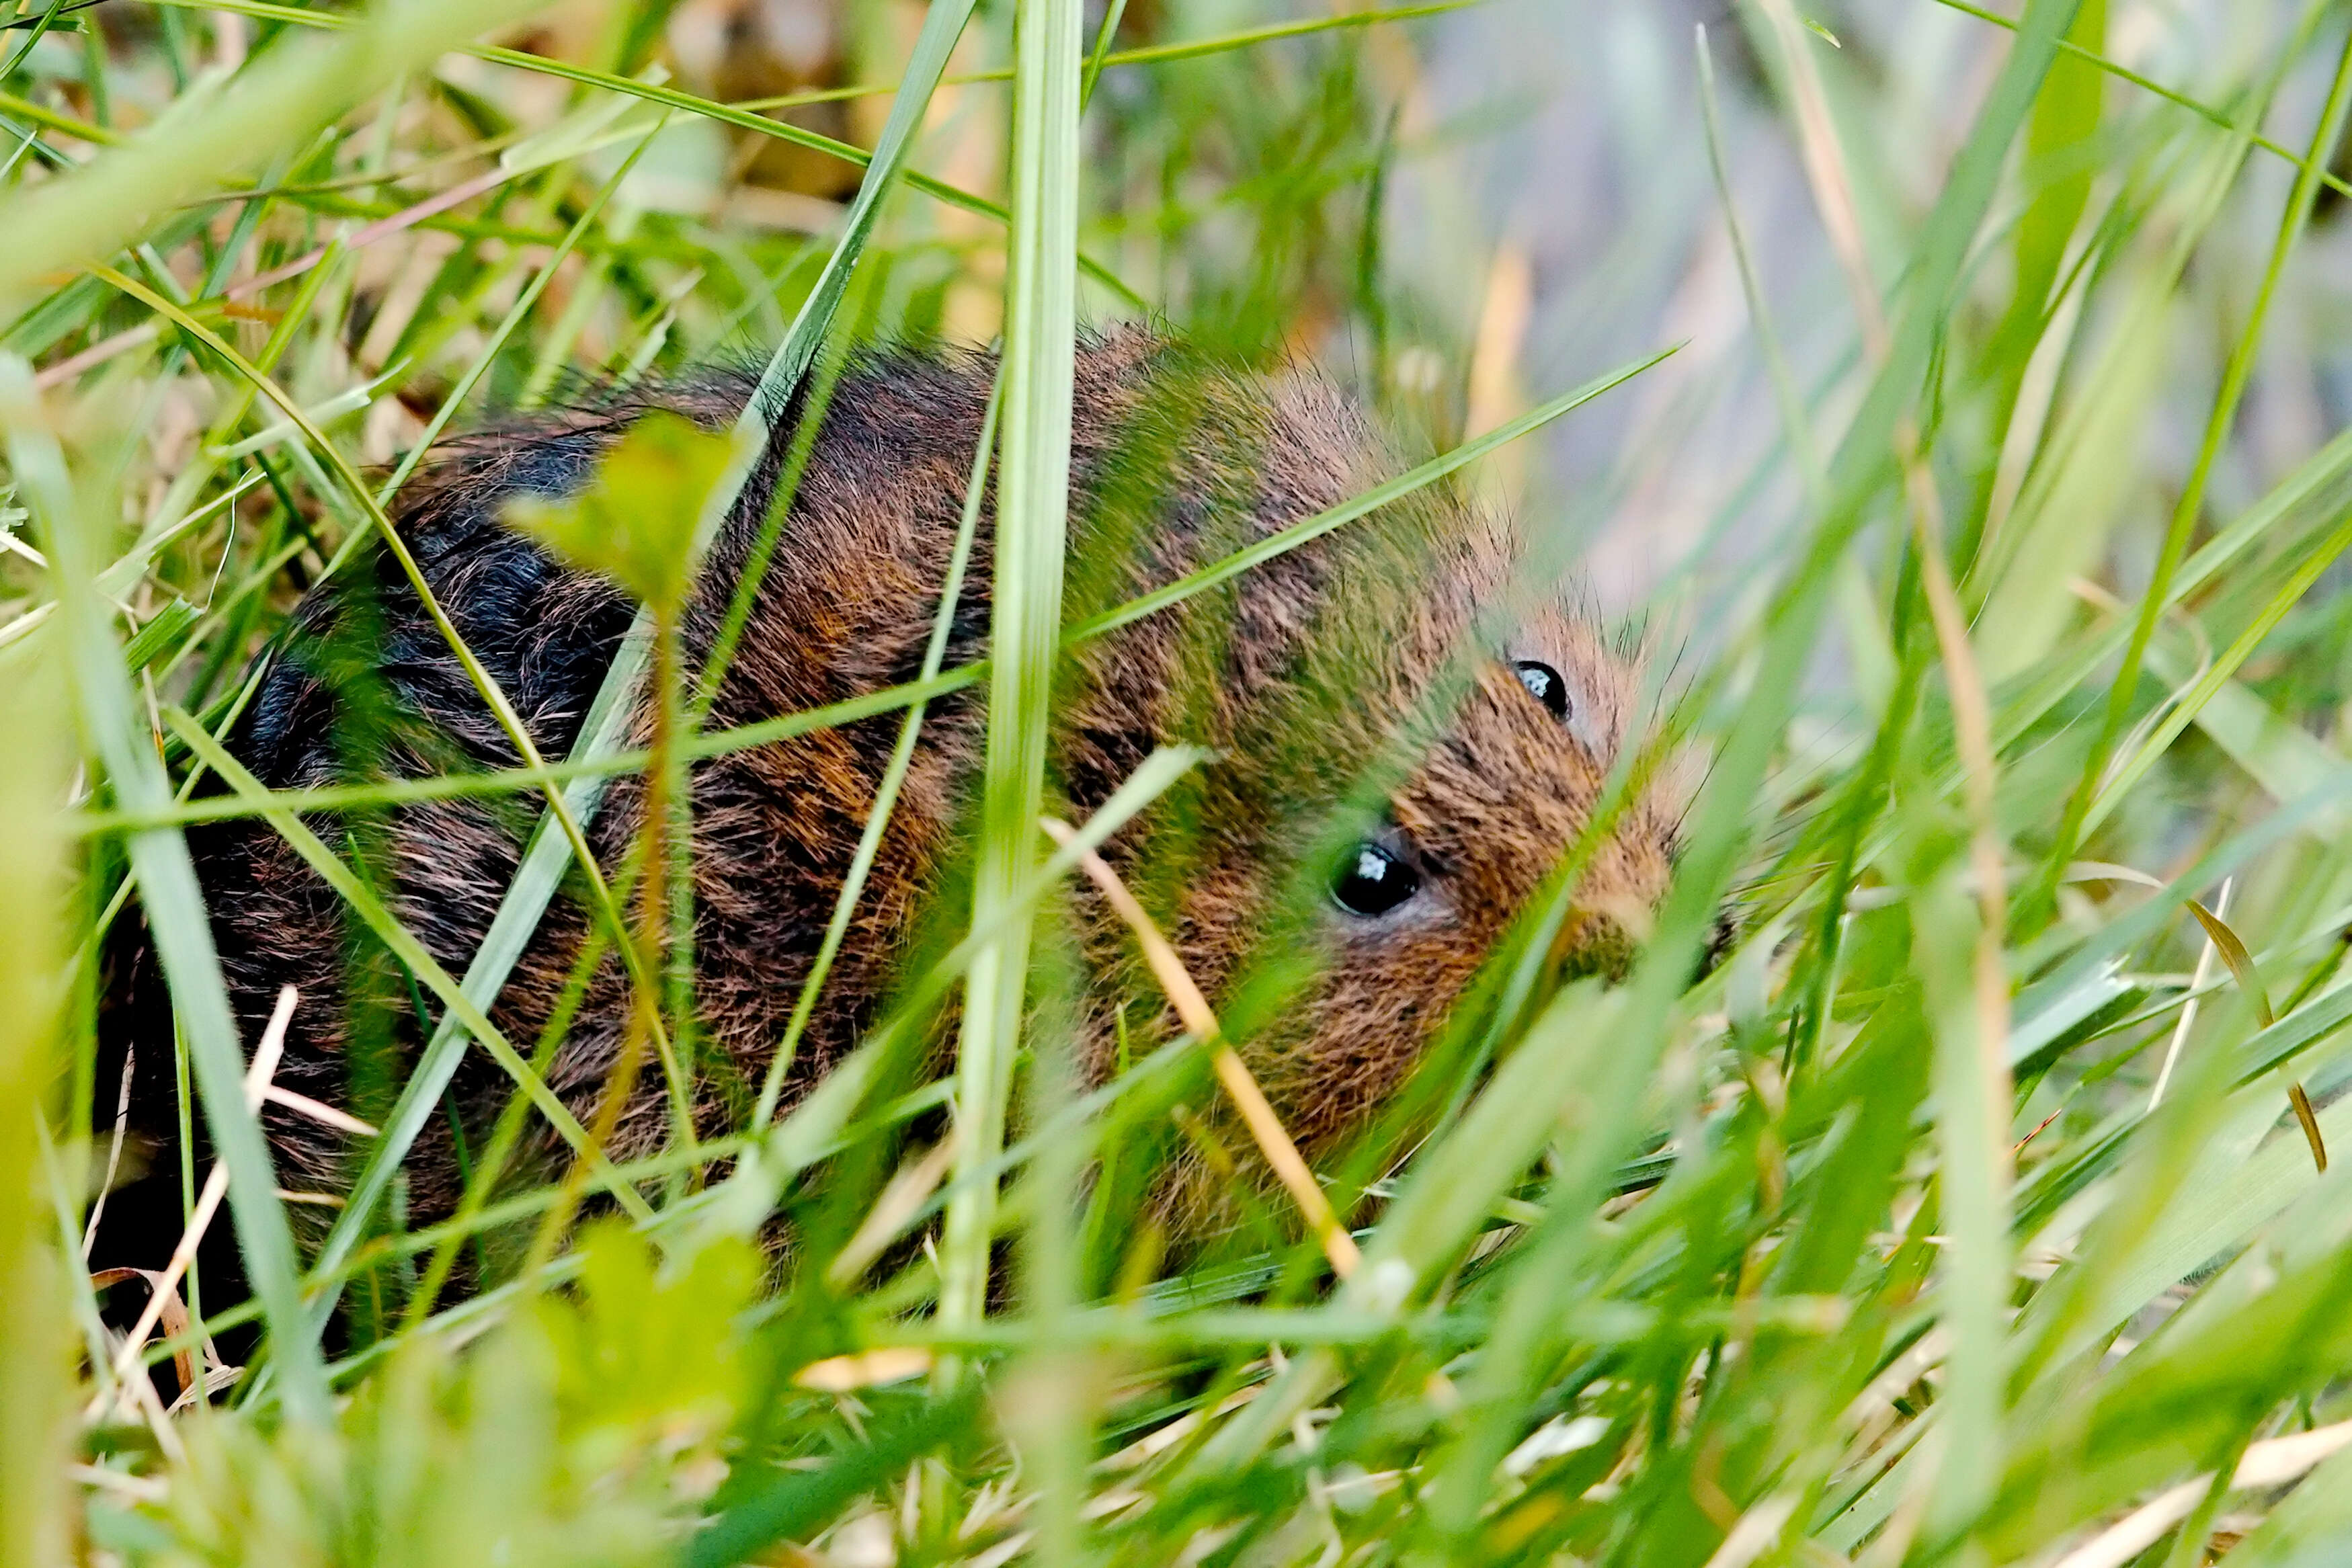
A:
<point x="1814" y="27"/>
<point x="634" y="522"/>
<point x="161" y="636"/>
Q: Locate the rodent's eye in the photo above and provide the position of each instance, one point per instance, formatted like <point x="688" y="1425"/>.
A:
<point x="1544" y="684"/>
<point x="1372" y="880"/>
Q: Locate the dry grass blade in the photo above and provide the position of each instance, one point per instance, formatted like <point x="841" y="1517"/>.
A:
<point x="165" y="1287"/>
<point x="172" y="1318"/>
<point x="2308" y="1120"/>
<point x="1274" y="1140"/>
<point x="2232" y="949"/>
<point x="2270" y="1463"/>
<point x="2233" y="953"/>
<point x="326" y="1115"/>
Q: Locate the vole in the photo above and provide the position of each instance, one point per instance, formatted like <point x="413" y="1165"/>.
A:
<point x="1394" y="637"/>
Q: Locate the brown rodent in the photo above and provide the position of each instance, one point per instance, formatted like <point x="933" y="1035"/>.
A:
<point x="1300" y="675"/>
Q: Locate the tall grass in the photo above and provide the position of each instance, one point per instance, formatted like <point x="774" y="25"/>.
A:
<point x="1976" y="1206"/>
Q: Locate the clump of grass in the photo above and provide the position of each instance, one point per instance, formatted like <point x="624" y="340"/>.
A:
<point x="1975" y="1208"/>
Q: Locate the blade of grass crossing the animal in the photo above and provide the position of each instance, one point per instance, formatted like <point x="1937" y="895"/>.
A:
<point x="894" y="775"/>
<point x="405" y="948"/>
<point x="2190" y="509"/>
<point x="175" y="902"/>
<point x="1033" y="503"/>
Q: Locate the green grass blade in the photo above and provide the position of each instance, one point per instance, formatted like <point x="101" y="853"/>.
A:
<point x="894" y="775"/>
<point x="35" y="1391"/>
<point x="2147" y="84"/>
<point x="175" y="904"/>
<point x="409" y="952"/>
<point x="2190" y="507"/>
<point x="1032" y="505"/>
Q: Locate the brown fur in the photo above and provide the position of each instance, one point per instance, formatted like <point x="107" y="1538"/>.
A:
<point x="1301" y="674"/>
